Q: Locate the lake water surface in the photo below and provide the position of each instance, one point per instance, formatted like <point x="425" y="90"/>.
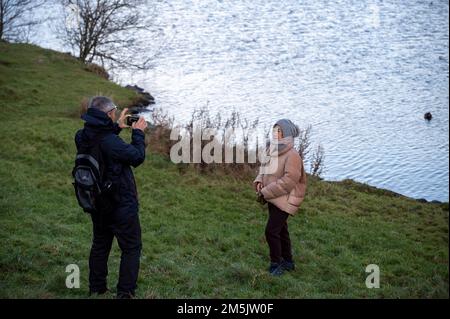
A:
<point x="363" y="73"/>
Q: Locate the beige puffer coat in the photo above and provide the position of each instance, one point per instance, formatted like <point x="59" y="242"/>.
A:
<point x="285" y="186"/>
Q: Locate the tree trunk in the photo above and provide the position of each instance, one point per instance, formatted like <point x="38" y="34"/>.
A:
<point x="1" y="20"/>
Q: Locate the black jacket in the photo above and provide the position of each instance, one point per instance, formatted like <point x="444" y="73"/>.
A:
<point x="118" y="156"/>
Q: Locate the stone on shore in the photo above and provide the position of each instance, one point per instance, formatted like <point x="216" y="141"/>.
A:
<point x="145" y="98"/>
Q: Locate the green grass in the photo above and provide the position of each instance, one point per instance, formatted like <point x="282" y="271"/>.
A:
<point x="203" y="235"/>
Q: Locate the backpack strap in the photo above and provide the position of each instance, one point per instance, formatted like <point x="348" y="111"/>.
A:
<point x="90" y="158"/>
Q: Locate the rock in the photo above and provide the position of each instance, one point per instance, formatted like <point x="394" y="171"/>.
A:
<point x="141" y="91"/>
<point x="148" y="97"/>
<point x="145" y="98"/>
<point x="422" y="200"/>
<point x="135" y="88"/>
<point x="428" y="116"/>
<point x="138" y="109"/>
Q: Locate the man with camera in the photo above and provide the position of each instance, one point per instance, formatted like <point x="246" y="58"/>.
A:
<point x="116" y="215"/>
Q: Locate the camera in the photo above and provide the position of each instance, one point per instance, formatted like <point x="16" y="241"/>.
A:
<point x="132" y="118"/>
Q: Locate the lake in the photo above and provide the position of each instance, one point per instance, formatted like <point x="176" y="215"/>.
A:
<point x="361" y="73"/>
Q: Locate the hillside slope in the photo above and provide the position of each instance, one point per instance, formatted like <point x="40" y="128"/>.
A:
<point x="203" y="235"/>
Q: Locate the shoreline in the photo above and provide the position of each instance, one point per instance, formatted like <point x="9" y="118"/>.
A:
<point x="148" y="100"/>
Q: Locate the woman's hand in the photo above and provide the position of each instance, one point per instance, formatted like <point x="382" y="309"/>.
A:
<point x="258" y="186"/>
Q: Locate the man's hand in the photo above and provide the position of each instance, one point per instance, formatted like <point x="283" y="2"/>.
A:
<point x="121" y="121"/>
<point x="141" y="124"/>
<point x="258" y="186"/>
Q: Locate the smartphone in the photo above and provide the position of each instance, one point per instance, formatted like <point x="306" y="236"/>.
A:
<point x="132" y="118"/>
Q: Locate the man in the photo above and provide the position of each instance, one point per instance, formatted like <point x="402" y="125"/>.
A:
<point x="121" y="219"/>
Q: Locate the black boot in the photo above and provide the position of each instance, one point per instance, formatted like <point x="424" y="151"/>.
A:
<point x="124" y="295"/>
<point x="276" y="269"/>
<point x="98" y="292"/>
<point x="288" y="265"/>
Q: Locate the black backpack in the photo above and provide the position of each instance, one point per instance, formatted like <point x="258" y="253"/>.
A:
<point x="89" y="180"/>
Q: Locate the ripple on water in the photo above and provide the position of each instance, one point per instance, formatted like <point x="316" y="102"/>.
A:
<point x="363" y="80"/>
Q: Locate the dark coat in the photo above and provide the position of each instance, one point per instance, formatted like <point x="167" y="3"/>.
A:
<point x="118" y="156"/>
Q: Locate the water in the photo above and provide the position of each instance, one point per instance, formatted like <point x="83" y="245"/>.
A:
<point x="362" y="73"/>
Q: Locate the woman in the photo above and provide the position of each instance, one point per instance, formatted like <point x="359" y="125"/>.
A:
<point x="282" y="183"/>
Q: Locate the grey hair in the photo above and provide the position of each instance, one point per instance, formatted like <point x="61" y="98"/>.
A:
<point x="102" y="103"/>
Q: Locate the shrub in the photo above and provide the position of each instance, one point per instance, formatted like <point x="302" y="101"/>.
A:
<point x="97" y="69"/>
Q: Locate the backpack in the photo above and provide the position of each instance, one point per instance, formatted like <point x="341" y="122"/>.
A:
<point x="88" y="174"/>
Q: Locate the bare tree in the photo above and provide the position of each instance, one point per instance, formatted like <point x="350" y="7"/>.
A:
<point x="317" y="161"/>
<point x="106" y="31"/>
<point x="16" y="20"/>
<point x="304" y="144"/>
<point x="315" y="158"/>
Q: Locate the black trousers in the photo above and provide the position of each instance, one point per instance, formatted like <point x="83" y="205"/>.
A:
<point x="126" y="228"/>
<point x="277" y="235"/>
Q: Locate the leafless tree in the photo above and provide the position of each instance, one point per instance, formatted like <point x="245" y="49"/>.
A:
<point x="304" y="143"/>
<point x="107" y="31"/>
<point x="315" y="158"/>
<point x="16" y="19"/>
<point x="317" y="161"/>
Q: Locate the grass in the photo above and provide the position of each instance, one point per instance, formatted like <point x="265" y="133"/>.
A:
<point x="203" y="235"/>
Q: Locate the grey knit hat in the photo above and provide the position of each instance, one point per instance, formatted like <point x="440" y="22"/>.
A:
<point x="288" y="128"/>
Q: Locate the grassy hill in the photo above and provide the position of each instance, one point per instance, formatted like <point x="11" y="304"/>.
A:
<point x="203" y="235"/>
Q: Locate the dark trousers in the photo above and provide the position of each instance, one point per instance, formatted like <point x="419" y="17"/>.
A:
<point x="277" y="235"/>
<point x="126" y="228"/>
